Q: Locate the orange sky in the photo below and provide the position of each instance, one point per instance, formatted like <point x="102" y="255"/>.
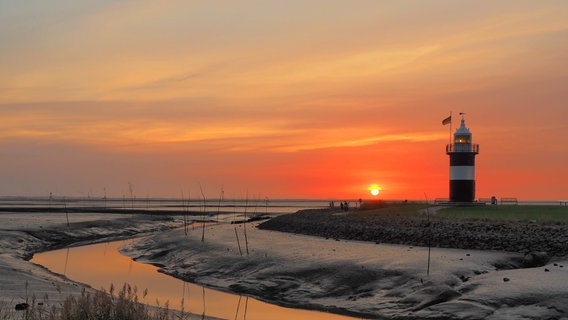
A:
<point x="303" y="99"/>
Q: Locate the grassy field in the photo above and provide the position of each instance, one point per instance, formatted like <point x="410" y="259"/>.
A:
<point x="380" y="207"/>
<point x="538" y="213"/>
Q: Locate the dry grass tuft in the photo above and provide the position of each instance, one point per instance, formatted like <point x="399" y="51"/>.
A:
<point x="101" y="305"/>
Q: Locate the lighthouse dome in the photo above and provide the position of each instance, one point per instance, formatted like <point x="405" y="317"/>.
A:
<point x="462" y="135"/>
<point x="463" y="129"/>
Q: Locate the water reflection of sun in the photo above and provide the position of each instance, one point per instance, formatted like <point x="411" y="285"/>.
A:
<point x="374" y="189"/>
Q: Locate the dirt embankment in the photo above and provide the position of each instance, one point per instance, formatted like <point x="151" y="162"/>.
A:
<point x="521" y="237"/>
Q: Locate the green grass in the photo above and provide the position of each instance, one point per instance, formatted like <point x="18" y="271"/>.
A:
<point x="384" y="208"/>
<point x="538" y="213"/>
<point x="509" y="213"/>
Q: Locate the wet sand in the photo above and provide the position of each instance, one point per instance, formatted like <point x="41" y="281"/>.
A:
<point x="361" y="278"/>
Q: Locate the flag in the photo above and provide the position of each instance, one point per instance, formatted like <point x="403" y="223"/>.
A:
<point x="446" y="121"/>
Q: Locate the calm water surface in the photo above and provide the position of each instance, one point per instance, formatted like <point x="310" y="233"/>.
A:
<point x="101" y="265"/>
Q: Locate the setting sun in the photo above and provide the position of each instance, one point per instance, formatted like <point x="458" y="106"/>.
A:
<point x="374" y="189"/>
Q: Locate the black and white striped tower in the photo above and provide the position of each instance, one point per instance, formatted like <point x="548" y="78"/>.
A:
<point x="462" y="165"/>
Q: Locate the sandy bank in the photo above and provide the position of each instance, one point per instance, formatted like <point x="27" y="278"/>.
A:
<point x="360" y="278"/>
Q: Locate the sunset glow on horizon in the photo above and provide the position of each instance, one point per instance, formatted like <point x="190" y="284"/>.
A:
<point x="281" y="99"/>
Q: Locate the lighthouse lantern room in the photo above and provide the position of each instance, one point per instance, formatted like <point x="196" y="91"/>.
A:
<point x="462" y="165"/>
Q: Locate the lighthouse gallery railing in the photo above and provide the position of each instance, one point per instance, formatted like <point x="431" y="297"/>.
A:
<point x="462" y="148"/>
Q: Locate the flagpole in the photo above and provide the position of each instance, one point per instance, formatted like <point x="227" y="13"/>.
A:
<point x="451" y="130"/>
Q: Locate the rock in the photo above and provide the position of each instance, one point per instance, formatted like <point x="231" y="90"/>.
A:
<point x="506" y="279"/>
<point x="536" y="259"/>
<point x="22" y="306"/>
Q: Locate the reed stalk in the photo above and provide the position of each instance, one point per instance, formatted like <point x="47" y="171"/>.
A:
<point x="238" y="307"/>
<point x="131" y="190"/>
<point x="245" y="225"/>
<point x="238" y="242"/>
<point x="66" y="211"/>
<point x="203" y="214"/>
<point x="429" y="234"/>
<point x="184" y="213"/>
<point x="221" y="197"/>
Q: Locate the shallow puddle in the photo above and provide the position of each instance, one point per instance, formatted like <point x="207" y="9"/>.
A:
<point x="101" y="265"/>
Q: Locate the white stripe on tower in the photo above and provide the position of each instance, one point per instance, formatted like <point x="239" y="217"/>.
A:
<point x="462" y="173"/>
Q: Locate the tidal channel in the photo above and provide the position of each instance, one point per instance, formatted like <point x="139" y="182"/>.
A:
<point x="100" y="265"/>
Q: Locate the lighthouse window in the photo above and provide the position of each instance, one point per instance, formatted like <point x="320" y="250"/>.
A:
<point x="462" y="139"/>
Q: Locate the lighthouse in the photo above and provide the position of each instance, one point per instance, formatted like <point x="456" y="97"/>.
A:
<point x="462" y="165"/>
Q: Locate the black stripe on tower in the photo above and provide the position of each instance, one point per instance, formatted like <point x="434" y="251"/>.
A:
<point x="462" y="159"/>
<point x="462" y="190"/>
